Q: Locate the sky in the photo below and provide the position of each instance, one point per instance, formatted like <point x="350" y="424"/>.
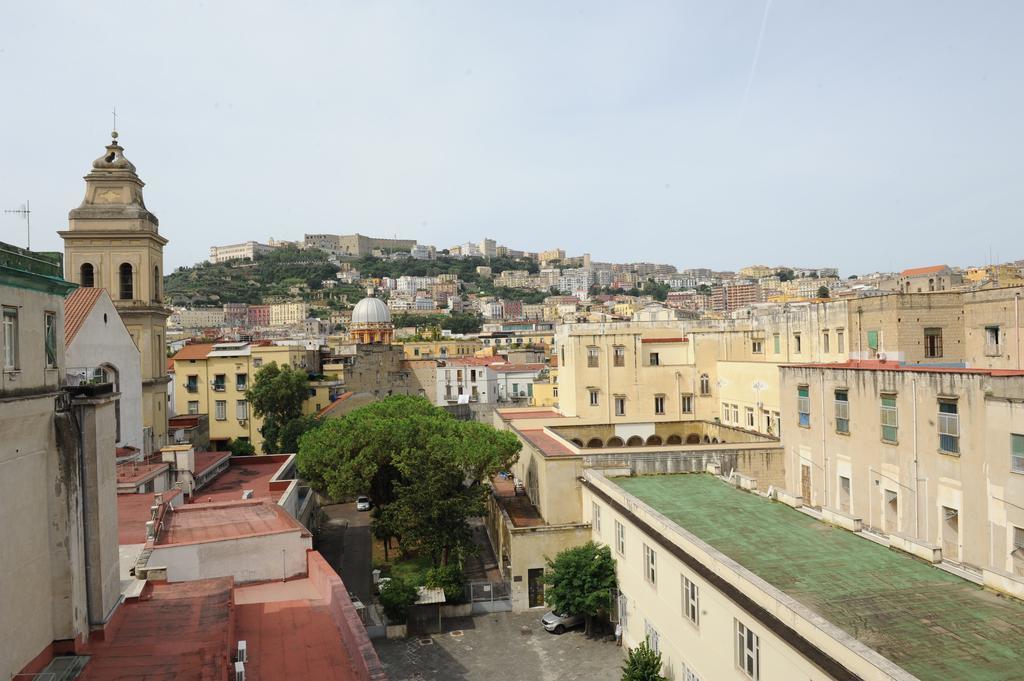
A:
<point x="865" y="135"/>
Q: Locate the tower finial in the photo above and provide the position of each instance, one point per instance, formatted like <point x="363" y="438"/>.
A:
<point x="113" y="134"/>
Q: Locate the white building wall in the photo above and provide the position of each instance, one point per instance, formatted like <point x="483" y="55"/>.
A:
<point x="249" y="559"/>
<point x="103" y="340"/>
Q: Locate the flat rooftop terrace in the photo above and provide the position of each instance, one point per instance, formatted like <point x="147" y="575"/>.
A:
<point x="230" y="520"/>
<point x="931" y="623"/>
<point x="254" y="475"/>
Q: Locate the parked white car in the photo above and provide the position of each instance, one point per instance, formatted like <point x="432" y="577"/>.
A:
<point x="363" y="503"/>
<point x="559" y="623"/>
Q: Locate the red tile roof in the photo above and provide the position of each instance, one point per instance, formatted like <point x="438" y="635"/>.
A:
<point x="878" y="365"/>
<point x="250" y="472"/>
<point x="916" y="271"/>
<point x="207" y="460"/>
<point x="227" y="520"/>
<point x="170" y="365"/>
<point x="507" y="415"/>
<point x="174" y="631"/>
<point x="545" y="444"/>
<point x="77" y="307"/>
<point x="133" y="514"/>
<point x="193" y="351"/>
<point x="134" y="472"/>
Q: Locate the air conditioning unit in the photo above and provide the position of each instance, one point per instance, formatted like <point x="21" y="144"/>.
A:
<point x="243" y="421"/>
<point x="239" y="671"/>
<point x="243" y="652"/>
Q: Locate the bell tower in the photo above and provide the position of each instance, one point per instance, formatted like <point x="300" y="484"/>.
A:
<point x="112" y="242"/>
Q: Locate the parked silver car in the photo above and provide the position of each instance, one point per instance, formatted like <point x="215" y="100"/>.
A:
<point x="559" y="623"/>
<point x="363" y="503"/>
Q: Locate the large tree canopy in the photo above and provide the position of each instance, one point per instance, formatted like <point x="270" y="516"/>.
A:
<point x="276" y="396"/>
<point x="580" y="581"/>
<point x="422" y="467"/>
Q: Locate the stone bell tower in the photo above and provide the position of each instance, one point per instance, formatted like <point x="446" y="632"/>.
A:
<point x="112" y="242"/>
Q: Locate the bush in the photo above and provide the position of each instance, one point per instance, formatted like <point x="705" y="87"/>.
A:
<point x="642" y="664"/>
<point x="396" y="595"/>
<point x="448" y="577"/>
<point x="241" y="447"/>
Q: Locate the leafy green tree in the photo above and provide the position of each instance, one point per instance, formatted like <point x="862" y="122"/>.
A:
<point x="785" y="274"/>
<point x="422" y="467"/>
<point x="642" y="664"/>
<point x="450" y="578"/>
<point x="580" y="581"/>
<point x="239" y="447"/>
<point x="396" y="597"/>
<point x="823" y="292"/>
<point x="276" y="396"/>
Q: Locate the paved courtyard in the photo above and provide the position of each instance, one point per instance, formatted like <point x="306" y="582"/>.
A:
<point x="488" y="647"/>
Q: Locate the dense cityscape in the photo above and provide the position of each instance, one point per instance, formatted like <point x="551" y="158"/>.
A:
<point x="583" y="342"/>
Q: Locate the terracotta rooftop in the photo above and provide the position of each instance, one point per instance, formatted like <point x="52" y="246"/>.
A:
<point x="341" y="398"/>
<point x="133" y="514"/>
<point x="228" y="520"/>
<point x="534" y="414"/>
<point x="511" y="368"/>
<point x="916" y="271"/>
<point x="545" y="444"/>
<point x="76" y="308"/>
<point x="173" y="632"/>
<point x="878" y="365"/>
<point x="207" y="460"/>
<point x="249" y="472"/>
<point x="193" y="351"/>
<point x="134" y="472"/>
<point x="520" y="510"/>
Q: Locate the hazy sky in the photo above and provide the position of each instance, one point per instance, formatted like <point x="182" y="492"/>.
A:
<point x="874" y="135"/>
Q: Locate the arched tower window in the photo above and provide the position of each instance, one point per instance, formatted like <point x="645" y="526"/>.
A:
<point x="87" y="275"/>
<point x="156" y="283"/>
<point x="705" y="384"/>
<point x="126" y="282"/>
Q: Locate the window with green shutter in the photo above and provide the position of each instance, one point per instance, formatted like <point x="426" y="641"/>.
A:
<point x="803" y="406"/>
<point x="873" y="340"/>
<point x="889" y="418"/>
<point x="1017" y="453"/>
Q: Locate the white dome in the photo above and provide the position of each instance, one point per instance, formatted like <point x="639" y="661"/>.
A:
<point x="371" y="310"/>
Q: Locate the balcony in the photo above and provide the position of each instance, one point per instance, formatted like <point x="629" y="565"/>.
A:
<point x="191" y="387"/>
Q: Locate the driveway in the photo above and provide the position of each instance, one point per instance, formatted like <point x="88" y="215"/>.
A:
<point x="344" y="540"/>
<point x="488" y="647"/>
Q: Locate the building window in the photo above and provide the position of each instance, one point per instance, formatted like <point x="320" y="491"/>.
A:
<point x="797" y="343"/>
<point x="750" y="417"/>
<point x="593" y="397"/>
<point x="803" y="405"/>
<point x="1017" y="453"/>
<point x="156" y="284"/>
<point x="949" y="427"/>
<point x="825" y="342"/>
<point x="650" y="565"/>
<point x="748" y="652"/>
<point x="221" y="410"/>
<point x="655" y="359"/>
<point x="219" y="381"/>
<point x="659" y="404"/>
<point x="595" y="517"/>
<point x="735" y="413"/>
<point x="1018" y="542"/>
<point x="873" y="340"/>
<point x="87" y="275"/>
<point x="241" y="382"/>
<point x="705" y="385"/>
<point x="725" y="412"/>
<point x="620" y="356"/>
<point x="777" y="343"/>
<point x="192" y="383"/>
<point x="257" y="362"/>
<point x="933" y="342"/>
<point x="686" y="404"/>
<point x="840" y="341"/>
<point x="620" y="538"/>
<point x="620" y="406"/>
<point x="844" y="494"/>
<point x="651" y="634"/>
<point x="592" y="357"/>
<point x="842" y="412"/>
<point x="193" y="407"/>
<point x="757" y="347"/>
<point x="691" y="601"/>
<point x="10" y="338"/>
<point x="689" y="674"/>
<point x="126" y="282"/>
<point x="50" y="338"/>
<point x="241" y="410"/>
<point x="992" y="340"/>
<point x="890" y="419"/>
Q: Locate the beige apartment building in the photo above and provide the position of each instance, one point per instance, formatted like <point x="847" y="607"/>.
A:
<point x="765" y="591"/>
<point x="929" y="456"/>
<point x="288" y="314"/>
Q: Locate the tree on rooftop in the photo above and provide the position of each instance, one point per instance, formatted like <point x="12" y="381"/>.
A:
<point x="579" y="581"/>
<point x="823" y="292"/>
<point x="421" y="466"/>
<point x="276" y="396"/>
<point x="642" y="664"/>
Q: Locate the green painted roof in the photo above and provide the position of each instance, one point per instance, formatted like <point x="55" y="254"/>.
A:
<point x="931" y="623"/>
